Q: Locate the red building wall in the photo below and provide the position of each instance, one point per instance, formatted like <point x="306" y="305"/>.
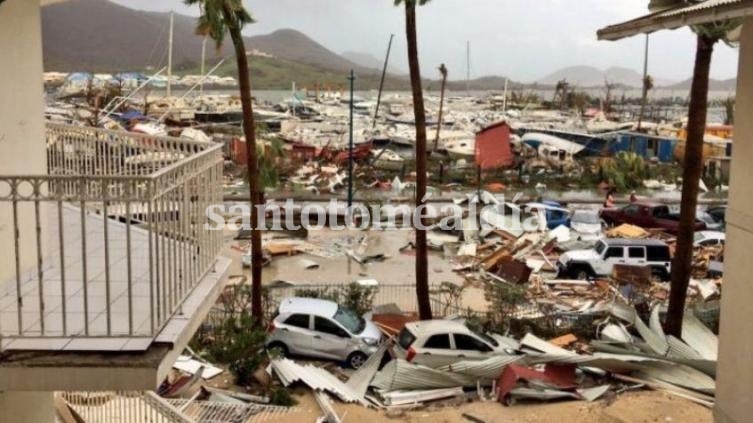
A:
<point x="493" y="148"/>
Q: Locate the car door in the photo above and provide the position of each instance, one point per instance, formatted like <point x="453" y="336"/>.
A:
<point x="636" y="256"/>
<point x="612" y="255"/>
<point x="436" y="351"/>
<point x="629" y="214"/>
<point x="296" y="333"/>
<point x="469" y="347"/>
<point x="329" y="339"/>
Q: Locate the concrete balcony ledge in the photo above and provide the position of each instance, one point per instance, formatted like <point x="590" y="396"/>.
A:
<point x="98" y="368"/>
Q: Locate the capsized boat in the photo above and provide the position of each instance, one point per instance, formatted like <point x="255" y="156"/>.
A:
<point x="538" y="139"/>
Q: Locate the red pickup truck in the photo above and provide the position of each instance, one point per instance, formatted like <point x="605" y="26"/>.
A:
<point x="646" y="215"/>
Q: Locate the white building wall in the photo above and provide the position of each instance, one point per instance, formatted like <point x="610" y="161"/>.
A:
<point x="22" y="145"/>
<point x="735" y="371"/>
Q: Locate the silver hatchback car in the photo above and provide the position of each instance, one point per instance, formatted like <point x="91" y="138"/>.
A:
<point x="322" y="329"/>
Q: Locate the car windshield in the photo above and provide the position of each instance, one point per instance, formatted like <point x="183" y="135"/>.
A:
<point x="585" y="217"/>
<point x="349" y="320"/>
<point x="486" y="338"/>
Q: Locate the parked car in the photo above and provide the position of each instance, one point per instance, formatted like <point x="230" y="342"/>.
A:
<point x="437" y="343"/>
<point x="708" y="238"/>
<point x="322" y="329"/>
<point x="719" y="214"/>
<point x="586" y="224"/>
<point x="711" y="223"/>
<point x="600" y="261"/>
<point x="647" y="215"/>
<point x="555" y="214"/>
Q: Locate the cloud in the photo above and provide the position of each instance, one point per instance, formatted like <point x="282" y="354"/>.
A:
<point x="522" y="39"/>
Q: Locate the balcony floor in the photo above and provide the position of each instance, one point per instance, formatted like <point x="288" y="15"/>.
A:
<point x="99" y="338"/>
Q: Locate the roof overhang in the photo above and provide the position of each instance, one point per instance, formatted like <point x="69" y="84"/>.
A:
<point x="678" y="17"/>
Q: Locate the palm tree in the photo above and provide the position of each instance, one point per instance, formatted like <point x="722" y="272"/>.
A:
<point x="443" y="72"/>
<point x="648" y="85"/>
<point x="422" y="259"/>
<point x="219" y="18"/>
<point x="707" y="36"/>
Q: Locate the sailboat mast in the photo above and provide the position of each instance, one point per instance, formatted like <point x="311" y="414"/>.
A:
<point x="468" y="69"/>
<point x="504" y="100"/>
<point x="170" y="55"/>
<point x="203" y="64"/>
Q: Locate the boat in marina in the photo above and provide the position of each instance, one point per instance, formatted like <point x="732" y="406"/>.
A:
<point x="387" y="159"/>
<point x="592" y="144"/>
<point x="461" y="149"/>
<point x="551" y="142"/>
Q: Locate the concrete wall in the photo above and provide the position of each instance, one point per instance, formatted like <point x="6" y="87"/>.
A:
<point x="22" y="146"/>
<point x="735" y="371"/>
<point x="27" y="407"/>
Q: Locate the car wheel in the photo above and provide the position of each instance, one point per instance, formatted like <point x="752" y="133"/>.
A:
<point x="277" y="349"/>
<point x="581" y="273"/>
<point x="356" y="359"/>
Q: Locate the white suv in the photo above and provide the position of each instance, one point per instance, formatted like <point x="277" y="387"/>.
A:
<point x="322" y="329"/>
<point x="600" y="261"/>
<point x="437" y="343"/>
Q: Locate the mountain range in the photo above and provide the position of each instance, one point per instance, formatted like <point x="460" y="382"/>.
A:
<point x="589" y="76"/>
<point x="101" y="36"/>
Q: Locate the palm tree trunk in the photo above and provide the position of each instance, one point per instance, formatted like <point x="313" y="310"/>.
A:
<point x="693" y="167"/>
<point x="252" y="161"/>
<point x="443" y="70"/>
<point x="422" y="267"/>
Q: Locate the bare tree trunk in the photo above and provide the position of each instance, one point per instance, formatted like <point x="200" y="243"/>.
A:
<point x="422" y="268"/>
<point x="693" y="166"/>
<point x="252" y="161"/>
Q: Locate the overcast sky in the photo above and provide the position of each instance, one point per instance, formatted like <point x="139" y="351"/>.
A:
<point x="522" y="39"/>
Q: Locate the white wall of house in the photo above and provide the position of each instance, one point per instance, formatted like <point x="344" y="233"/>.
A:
<point x="22" y="145"/>
<point x="735" y="371"/>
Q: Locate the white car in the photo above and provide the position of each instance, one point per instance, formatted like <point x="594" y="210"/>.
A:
<point x="708" y="238"/>
<point x="586" y="224"/>
<point x="437" y="343"/>
<point x="600" y="261"/>
<point x="322" y="329"/>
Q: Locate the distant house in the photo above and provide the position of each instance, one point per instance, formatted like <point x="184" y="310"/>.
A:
<point x="493" y="148"/>
<point x="646" y="146"/>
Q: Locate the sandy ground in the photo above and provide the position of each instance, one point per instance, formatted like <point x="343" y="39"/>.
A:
<point x="633" y="407"/>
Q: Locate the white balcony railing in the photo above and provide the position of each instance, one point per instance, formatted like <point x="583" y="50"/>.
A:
<point x="111" y="241"/>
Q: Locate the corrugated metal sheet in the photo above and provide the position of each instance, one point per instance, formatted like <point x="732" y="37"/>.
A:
<point x="706" y="5"/>
<point x="359" y="381"/>
<point x="699" y="337"/>
<point x="542" y="394"/>
<point x="399" y="374"/>
<point x="490" y="368"/>
<point x="657" y="342"/>
<point x="411" y="397"/>
<point x="592" y="394"/>
<point x="533" y="342"/>
<point x="678" y="374"/>
<point x="316" y="378"/>
<point x="695" y="14"/>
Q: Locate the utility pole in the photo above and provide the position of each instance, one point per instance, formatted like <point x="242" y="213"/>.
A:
<point x="381" y="83"/>
<point x="352" y="79"/>
<point x="203" y="61"/>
